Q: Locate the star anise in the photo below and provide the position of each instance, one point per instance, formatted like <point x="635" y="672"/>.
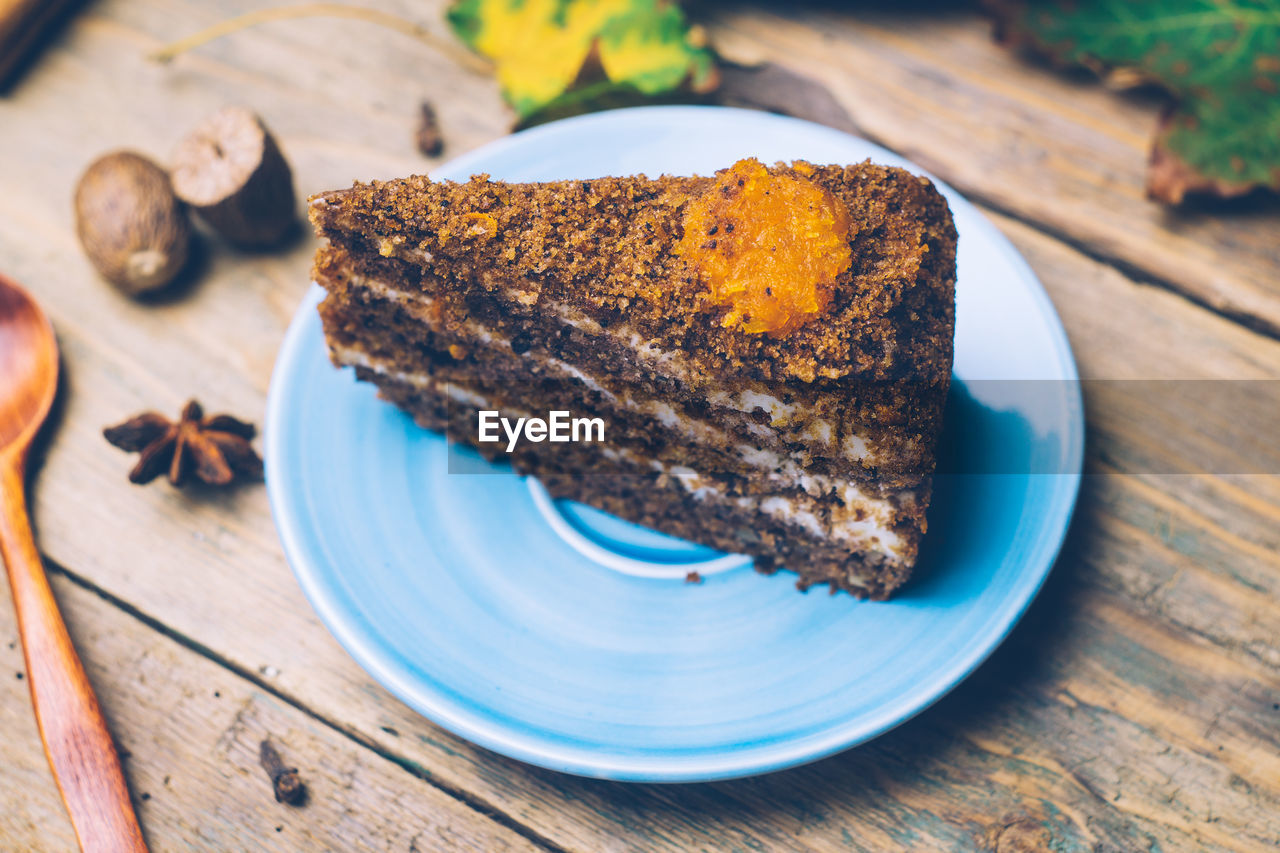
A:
<point x="215" y="448"/>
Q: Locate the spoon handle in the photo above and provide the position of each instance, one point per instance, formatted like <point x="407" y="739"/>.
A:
<point x="76" y="740"/>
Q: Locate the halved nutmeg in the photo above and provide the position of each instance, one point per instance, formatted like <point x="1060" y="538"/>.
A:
<point x="130" y="223"/>
<point x="233" y="175"/>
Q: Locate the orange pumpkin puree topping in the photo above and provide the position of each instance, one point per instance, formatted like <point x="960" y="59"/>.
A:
<point x="769" y="246"/>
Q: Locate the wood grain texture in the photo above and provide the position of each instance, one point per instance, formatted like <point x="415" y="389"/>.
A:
<point x="1136" y="707"/>
<point x="191" y="731"/>
<point x="33" y="815"/>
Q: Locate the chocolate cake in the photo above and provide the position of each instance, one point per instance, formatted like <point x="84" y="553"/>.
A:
<point x="768" y="349"/>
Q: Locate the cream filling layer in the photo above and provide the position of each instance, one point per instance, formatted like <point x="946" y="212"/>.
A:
<point x="855" y="448"/>
<point x="859" y="521"/>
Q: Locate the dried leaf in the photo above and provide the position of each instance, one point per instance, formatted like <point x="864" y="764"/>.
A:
<point x="1219" y="60"/>
<point x="546" y="50"/>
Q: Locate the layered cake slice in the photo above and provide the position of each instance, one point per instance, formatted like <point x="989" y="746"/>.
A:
<point x="767" y="351"/>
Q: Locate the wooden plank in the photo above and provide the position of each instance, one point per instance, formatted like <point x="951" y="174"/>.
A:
<point x="190" y="730"/>
<point x="31" y="814"/>
<point x="1165" y="602"/>
<point x="1055" y="149"/>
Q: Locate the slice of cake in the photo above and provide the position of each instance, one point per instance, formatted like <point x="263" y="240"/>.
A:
<point x="768" y="350"/>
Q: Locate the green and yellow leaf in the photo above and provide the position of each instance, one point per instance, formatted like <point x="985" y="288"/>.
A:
<point x="541" y="47"/>
<point x="1219" y="59"/>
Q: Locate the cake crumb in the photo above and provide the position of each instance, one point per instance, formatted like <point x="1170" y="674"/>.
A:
<point x="693" y="577"/>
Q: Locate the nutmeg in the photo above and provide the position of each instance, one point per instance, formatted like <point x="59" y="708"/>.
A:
<point x="130" y="223"/>
<point x="234" y="176"/>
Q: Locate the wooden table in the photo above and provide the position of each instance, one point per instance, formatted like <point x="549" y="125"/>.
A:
<point x="1137" y="706"/>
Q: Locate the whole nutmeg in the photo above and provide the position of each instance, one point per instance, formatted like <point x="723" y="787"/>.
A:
<point x="131" y="225"/>
<point x="231" y="172"/>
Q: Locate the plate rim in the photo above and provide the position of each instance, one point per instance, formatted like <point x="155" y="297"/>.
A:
<point x="749" y="761"/>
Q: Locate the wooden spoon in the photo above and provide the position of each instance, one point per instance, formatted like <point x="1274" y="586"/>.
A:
<point x="76" y="740"/>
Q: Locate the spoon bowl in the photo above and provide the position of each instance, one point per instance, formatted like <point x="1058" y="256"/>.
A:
<point x="28" y="365"/>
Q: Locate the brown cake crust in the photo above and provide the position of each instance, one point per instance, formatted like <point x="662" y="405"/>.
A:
<point x="891" y="316"/>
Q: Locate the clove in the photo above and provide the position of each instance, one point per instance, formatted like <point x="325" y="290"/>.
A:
<point x="285" y="782"/>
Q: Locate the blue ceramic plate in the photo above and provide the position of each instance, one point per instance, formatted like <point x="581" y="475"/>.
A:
<point x="561" y="636"/>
